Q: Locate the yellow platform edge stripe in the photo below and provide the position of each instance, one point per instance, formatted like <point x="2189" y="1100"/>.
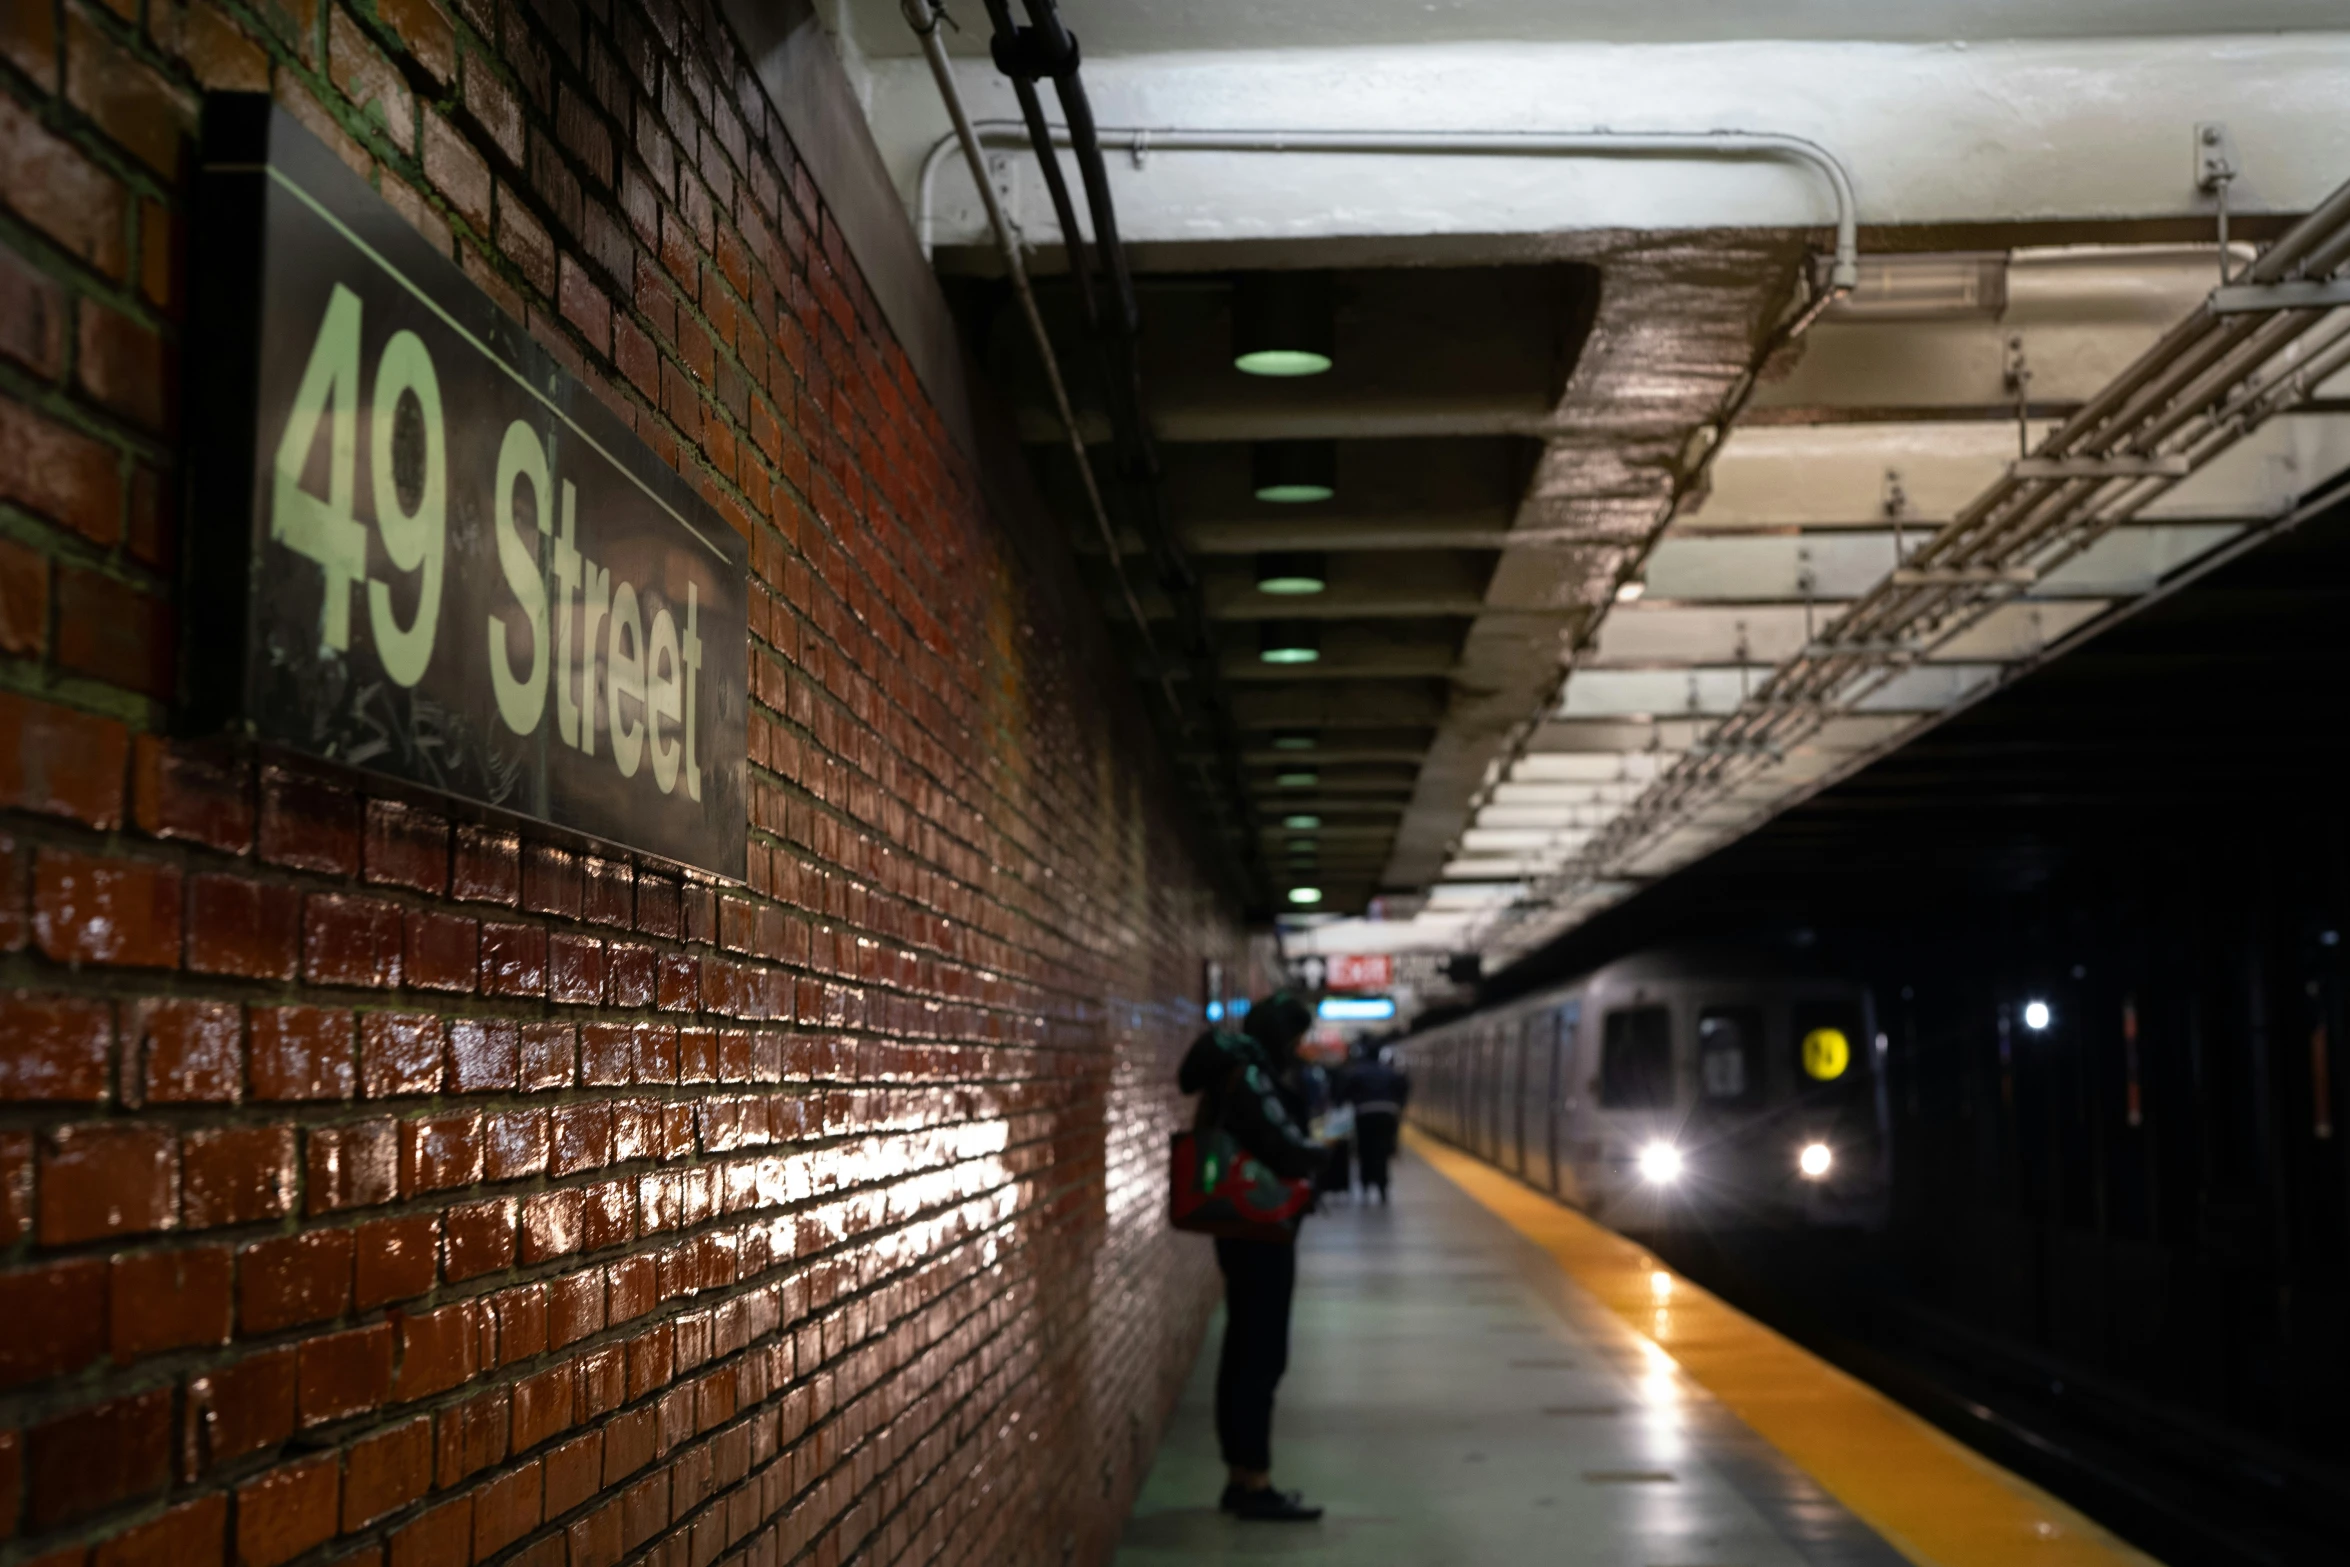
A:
<point x="1937" y="1501"/>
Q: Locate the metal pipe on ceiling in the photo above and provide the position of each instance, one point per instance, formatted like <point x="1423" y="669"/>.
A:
<point x="2206" y="384"/>
<point x="923" y="17"/>
<point x="1698" y="146"/>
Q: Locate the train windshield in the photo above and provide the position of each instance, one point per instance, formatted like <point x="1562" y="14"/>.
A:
<point x="1636" y="1060"/>
<point x="1729" y="1056"/>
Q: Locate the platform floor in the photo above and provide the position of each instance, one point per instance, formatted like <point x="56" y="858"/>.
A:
<point x="1458" y="1398"/>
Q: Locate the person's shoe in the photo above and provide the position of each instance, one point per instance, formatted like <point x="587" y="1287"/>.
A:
<point x="1264" y="1504"/>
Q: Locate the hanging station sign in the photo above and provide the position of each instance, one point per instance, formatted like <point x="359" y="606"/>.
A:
<point x="424" y="548"/>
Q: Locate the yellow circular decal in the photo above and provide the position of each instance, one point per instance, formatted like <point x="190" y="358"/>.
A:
<point x="1826" y="1053"/>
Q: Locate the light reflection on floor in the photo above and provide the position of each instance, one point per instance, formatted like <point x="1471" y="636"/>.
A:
<point x="1450" y="1415"/>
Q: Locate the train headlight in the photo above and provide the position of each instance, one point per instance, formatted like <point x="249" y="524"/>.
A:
<point x="1660" y="1164"/>
<point x="1815" y="1160"/>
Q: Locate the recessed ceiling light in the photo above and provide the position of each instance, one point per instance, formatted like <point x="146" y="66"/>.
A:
<point x="1290" y="572"/>
<point x="1288" y="642"/>
<point x="1282" y="323"/>
<point x="1297" y="740"/>
<point x="1305" y="894"/>
<point x="1301" y="823"/>
<point x="1294" y="472"/>
<point x="1297" y="780"/>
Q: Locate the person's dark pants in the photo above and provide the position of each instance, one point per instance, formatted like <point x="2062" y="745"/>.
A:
<point x="1375" y="1145"/>
<point x="1258" y="1279"/>
<point x="1338" y="1170"/>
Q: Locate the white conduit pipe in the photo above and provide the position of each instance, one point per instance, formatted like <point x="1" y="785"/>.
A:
<point x="924" y="21"/>
<point x="1694" y="145"/>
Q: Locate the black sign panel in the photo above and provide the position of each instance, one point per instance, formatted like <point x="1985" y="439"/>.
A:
<point x="424" y="548"/>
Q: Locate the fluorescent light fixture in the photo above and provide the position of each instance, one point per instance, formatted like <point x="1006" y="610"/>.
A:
<point x="1291" y="573"/>
<point x="1660" y="1164"/>
<point x="1296" y="740"/>
<point x="1301" y="822"/>
<point x="1297" y="780"/>
<point x="1294" y="472"/>
<point x="1355" y="1009"/>
<point x="1948" y="287"/>
<point x="1305" y="895"/>
<point x="1282" y="323"/>
<point x="2037" y="1017"/>
<point x="1288" y="642"/>
<point x="1815" y="1160"/>
<point x="1630" y="592"/>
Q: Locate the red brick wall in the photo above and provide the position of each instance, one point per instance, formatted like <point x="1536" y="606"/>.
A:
<point x="381" y="1187"/>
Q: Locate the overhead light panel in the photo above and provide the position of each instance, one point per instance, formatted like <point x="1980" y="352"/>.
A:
<point x="1289" y="642"/>
<point x="1301" y="823"/>
<point x="1295" y="740"/>
<point x="1949" y="287"/>
<point x="1298" y="779"/>
<point x="1305" y="895"/>
<point x="1292" y="572"/>
<point x="1282" y="323"/>
<point x="1292" y="473"/>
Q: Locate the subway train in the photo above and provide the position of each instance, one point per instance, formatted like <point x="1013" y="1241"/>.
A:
<point x="1674" y="1089"/>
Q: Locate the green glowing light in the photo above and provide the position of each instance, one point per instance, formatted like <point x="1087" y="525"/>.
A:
<point x="1281" y="361"/>
<point x="1290" y="655"/>
<point x="1297" y="780"/>
<point x="1305" y="894"/>
<point x="1295" y="494"/>
<point x="1301" y="823"/>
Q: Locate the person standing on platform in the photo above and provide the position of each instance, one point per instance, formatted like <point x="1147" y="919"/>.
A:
<point x="1249" y="1081"/>
<point x="1378" y="1090"/>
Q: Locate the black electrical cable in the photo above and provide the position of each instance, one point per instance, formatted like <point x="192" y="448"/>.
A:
<point x="1005" y="48"/>
<point x="1048" y="49"/>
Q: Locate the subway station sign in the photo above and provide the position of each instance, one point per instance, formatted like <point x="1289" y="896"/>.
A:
<point x="425" y="549"/>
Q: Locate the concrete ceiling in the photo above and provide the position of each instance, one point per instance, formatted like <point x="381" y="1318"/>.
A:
<point x="1115" y="27"/>
<point x="1539" y="593"/>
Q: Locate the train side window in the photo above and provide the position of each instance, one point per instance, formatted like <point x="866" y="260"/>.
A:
<point x="1729" y="1055"/>
<point x="1636" y="1060"/>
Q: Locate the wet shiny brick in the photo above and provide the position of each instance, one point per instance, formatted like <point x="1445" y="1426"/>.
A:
<point x="56" y="1319"/>
<point x="394" y="1259"/>
<point x="440" y="1152"/>
<point x="480" y="1238"/>
<point x="344" y="1374"/>
<point x="386" y="1472"/>
<point x="352" y="1166"/>
<point x="400" y="1053"/>
<point x="189" y="1052"/>
<point x="288" y="1511"/>
<point x="293" y="1279"/>
<point x="240" y="1408"/>
<point x="106" y="1179"/>
<point x="236" y="1175"/>
<point x="97" y="1457"/>
<point x="106" y="911"/>
<point x="170" y="1300"/>
<point x="244" y="928"/>
<point x="301" y="1053"/>
<point x="351" y="941"/>
<point x="58" y="1048"/>
<point x="484" y="1055"/>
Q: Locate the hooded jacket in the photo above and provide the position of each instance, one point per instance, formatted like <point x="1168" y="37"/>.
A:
<point x="1235" y="1076"/>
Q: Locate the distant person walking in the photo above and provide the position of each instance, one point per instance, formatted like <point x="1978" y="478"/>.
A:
<point x="1378" y="1090"/>
<point x="1249" y="1083"/>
